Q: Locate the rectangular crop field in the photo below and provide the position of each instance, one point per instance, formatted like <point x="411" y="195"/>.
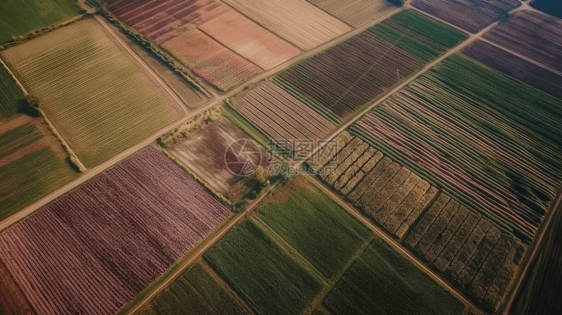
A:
<point x="382" y="281"/>
<point x="262" y="272"/>
<point x="11" y="95"/>
<point x="99" y="99"/>
<point x="195" y="31"/>
<point x="212" y="153"/>
<point x="32" y="164"/>
<point x="249" y="40"/>
<point x="349" y="75"/>
<point x="491" y="140"/>
<point x="19" y="17"/>
<point x="210" y="60"/>
<point x="316" y="226"/>
<point x="534" y="35"/>
<point x="470" y="15"/>
<point x="519" y="68"/>
<point x="355" y="12"/>
<point x="96" y="248"/>
<point x="282" y="116"/>
<point x="199" y="292"/>
<point x="297" y="21"/>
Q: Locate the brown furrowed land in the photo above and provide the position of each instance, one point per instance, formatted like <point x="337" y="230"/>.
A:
<point x="207" y="151"/>
<point x="355" y="12"/>
<point x="532" y="34"/>
<point x="95" y="249"/>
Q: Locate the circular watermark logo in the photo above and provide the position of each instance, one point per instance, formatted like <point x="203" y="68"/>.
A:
<point x="242" y="157"/>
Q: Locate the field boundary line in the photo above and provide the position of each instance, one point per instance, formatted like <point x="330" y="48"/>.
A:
<point x="395" y="244"/>
<point x="193" y="255"/>
<point x="19" y="84"/>
<point x="515" y="290"/>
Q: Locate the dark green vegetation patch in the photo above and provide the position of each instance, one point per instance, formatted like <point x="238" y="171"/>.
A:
<point x="10" y="93"/>
<point x="382" y="281"/>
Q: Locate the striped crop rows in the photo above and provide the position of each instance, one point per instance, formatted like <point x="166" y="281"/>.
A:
<point x="297" y="21"/>
<point x="98" y="98"/>
<point x="95" y="249"/>
<point x="349" y="75"/>
<point x="487" y="138"/>
<point x="438" y="228"/>
<point x="534" y="35"/>
<point x="280" y="115"/>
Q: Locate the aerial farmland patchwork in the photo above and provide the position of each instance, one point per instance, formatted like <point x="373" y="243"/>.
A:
<point x="280" y="157"/>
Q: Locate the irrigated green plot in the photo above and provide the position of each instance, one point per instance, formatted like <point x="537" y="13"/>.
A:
<point x="261" y="272"/>
<point x="20" y="16"/>
<point x="99" y="99"/>
<point x="317" y="227"/>
<point x="10" y="94"/>
<point x="31" y="177"/>
<point x="382" y="281"/>
<point x="197" y="291"/>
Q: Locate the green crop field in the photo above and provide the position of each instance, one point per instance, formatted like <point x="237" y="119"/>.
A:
<point x="382" y="281"/>
<point x="99" y="99"/>
<point x="30" y="177"/>
<point x="20" y="16"/>
<point x="197" y="291"/>
<point x="18" y="138"/>
<point x="418" y="34"/>
<point x="10" y="94"/>
<point x="261" y="272"/>
<point x="317" y="227"/>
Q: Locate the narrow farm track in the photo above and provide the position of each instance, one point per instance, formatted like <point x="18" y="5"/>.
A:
<point x="396" y="245"/>
<point x="532" y="256"/>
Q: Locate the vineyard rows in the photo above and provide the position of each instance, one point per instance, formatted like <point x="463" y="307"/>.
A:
<point x="533" y="35"/>
<point x="515" y="67"/>
<point x="10" y="95"/>
<point x="195" y="31"/>
<point x="217" y="65"/>
<point x="95" y="249"/>
<point x="297" y="21"/>
<point x="355" y="12"/>
<point x="198" y="291"/>
<point x="249" y="40"/>
<point x="280" y="115"/>
<point x="447" y="235"/>
<point x="375" y="60"/>
<point x="470" y="15"/>
<point x="100" y="101"/>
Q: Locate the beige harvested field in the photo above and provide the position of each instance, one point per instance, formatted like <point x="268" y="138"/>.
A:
<point x="297" y="21"/>
<point x="249" y="40"/>
<point x="355" y="12"/>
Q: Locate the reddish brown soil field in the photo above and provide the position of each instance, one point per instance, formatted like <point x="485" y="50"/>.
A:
<point x="217" y="65"/>
<point x="249" y="40"/>
<point x="471" y="15"/>
<point x="95" y="249"/>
